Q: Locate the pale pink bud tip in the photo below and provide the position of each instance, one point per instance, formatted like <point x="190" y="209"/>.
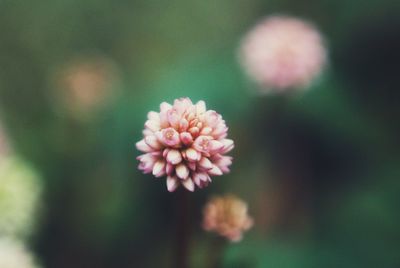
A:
<point x="182" y="171"/>
<point x="186" y="138"/>
<point x="174" y="157"/>
<point x="205" y="163"/>
<point x="142" y="146"/>
<point x="188" y="184"/>
<point x="192" y="155"/>
<point x="201" y="179"/>
<point x="172" y="183"/>
<point x="152" y="142"/>
<point x="187" y="143"/>
<point x="159" y="168"/>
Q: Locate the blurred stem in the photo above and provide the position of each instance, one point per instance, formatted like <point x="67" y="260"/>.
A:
<point x="216" y="253"/>
<point x="183" y="230"/>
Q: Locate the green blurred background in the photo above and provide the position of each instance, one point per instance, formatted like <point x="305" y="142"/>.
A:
<point x="320" y="171"/>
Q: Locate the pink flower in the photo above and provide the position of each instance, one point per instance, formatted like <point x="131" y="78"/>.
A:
<point x="85" y="85"/>
<point x="186" y="143"/>
<point x="282" y="53"/>
<point x="227" y="216"/>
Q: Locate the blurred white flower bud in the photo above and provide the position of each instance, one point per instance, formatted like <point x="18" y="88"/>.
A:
<point x="20" y="190"/>
<point x="13" y="254"/>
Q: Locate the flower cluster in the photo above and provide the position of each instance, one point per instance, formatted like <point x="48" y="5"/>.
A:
<point x="227" y="216"/>
<point x="186" y="142"/>
<point x="282" y="53"/>
<point x="85" y="84"/>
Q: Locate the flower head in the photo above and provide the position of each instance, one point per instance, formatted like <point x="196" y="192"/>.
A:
<point x="185" y="142"/>
<point x="86" y="84"/>
<point x="282" y="53"/>
<point x="14" y="255"/>
<point x="227" y="216"/>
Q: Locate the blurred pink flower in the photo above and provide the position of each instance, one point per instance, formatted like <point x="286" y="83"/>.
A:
<point x="227" y="216"/>
<point x="85" y="84"/>
<point x="282" y="53"/>
<point x="185" y="142"/>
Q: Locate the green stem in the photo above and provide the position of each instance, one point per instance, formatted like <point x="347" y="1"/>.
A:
<point x="216" y="253"/>
<point x="183" y="230"/>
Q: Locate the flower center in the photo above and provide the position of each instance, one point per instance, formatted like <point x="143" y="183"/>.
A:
<point x="169" y="134"/>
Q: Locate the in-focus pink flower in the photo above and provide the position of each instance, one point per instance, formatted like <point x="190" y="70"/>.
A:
<point x="282" y="53"/>
<point x="186" y="143"/>
<point x="227" y="216"/>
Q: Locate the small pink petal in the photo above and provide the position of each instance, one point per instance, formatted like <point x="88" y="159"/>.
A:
<point x="220" y="130"/>
<point x="194" y="131"/>
<point x="142" y="146"/>
<point x="188" y="184"/>
<point x="173" y="118"/>
<point x="200" y="107"/>
<point x="206" y="131"/>
<point x="164" y="119"/>
<point x="174" y="157"/>
<point x="200" y="178"/>
<point x="146" y="170"/>
<point x="153" y="142"/>
<point x="147" y="132"/>
<point x="152" y="125"/>
<point x="228" y="145"/>
<point x="205" y="163"/>
<point x="192" y="155"/>
<point x="215" y="146"/>
<point x="156" y="154"/>
<point x="182" y="171"/>
<point x="190" y="116"/>
<point x="183" y="125"/>
<point x="211" y="118"/>
<point x="182" y="104"/>
<point x="172" y="183"/>
<point x="165" y="152"/>
<point x="186" y="138"/>
<point x="197" y="180"/>
<point x="216" y="171"/>
<point x="147" y="162"/>
<point x="154" y="116"/>
<point x="165" y="106"/>
<point x="193" y="122"/>
<point x="223" y="163"/>
<point x="159" y="168"/>
<point x="145" y="157"/>
<point x="169" y="169"/>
